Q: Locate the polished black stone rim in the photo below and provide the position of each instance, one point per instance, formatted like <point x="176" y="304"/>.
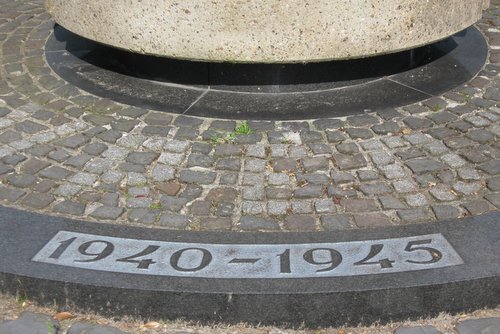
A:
<point x="313" y="302"/>
<point x="263" y="91"/>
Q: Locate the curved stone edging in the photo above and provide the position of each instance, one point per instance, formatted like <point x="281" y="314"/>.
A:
<point x="312" y="301"/>
<point x="218" y="90"/>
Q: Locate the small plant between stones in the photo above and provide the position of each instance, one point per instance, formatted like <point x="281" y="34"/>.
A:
<point x="242" y="128"/>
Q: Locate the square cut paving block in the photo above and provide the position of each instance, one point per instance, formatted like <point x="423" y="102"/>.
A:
<point x="86" y="328"/>
<point x="417" y="330"/>
<point x="30" y="323"/>
<point x="479" y="326"/>
<point x="315" y="279"/>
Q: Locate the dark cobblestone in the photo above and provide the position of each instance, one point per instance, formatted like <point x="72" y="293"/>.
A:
<point x="372" y="220"/>
<point x="197" y="177"/>
<point x="252" y="223"/>
<point x="299" y="223"/>
<point x="38" y="200"/>
<point x="70" y="208"/>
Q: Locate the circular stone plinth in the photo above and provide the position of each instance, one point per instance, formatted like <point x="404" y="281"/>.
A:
<point x="266" y="31"/>
<point x="267" y="91"/>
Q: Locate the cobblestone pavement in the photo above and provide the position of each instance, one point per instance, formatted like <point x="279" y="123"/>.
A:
<point x="65" y="152"/>
<point x="19" y="316"/>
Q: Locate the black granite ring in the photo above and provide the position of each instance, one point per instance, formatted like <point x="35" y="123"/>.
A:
<point x="30" y="255"/>
<point x="263" y="91"/>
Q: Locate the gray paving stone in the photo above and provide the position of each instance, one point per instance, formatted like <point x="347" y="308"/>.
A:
<point x="59" y="155"/>
<point x="393" y="171"/>
<point x="161" y="131"/>
<point x="442" y="193"/>
<point x="278" y="193"/>
<point x="444" y="212"/>
<point x="424" y="165"/>
<point x="253" y="179"/>
<point x="297" y="152"/>
<point x="124" y="125"/>
<point x="491" y="167"/>
<point x="10" y="136"/>
<point x="467" y="188"/>
<point x="75" y="141"/>
<point x="21" y="180"/>
<point x="347" y="148"/>
<point x="356" y="205"/>
<point x="252" y="208"/>
<point x="173" y="221"/>
<point x="255" y="165"/>
<point x="141" y="158"/>
<point x="315" y="164"/>
<point x="70" y="208"/>
<point x="320" y="148"/>
<point x="110" y="199"/>
<point x="342" y="177"/>
<point x="228" y="178"/>
<point x="156" y="118"/>
<point x="107" y="212"/>
<point x="172" y="203"/>
<point x="302" y="207"/>
<point x="441" y="133"/>
<point x="478" y="207"/>
<point x="309" y="191"/>
<point x="256" y="150"/>
<point x="143" y="215"/>
<point x="386" y="128"/>
<point x="347" y="162"/>
<point x="215" y="224"/>
<point x="299" y="223"/>
<point x="417" y="330"/>
<point x="230" y="164"/>
<point x="367" y="175"/>
<point x="311" y="137"/>
<point x="14" y="159"/>
<point x="335" y="136"/>
<point x="278" y="179"/>
<point x="228" y="150"/>
<point x="372" y="220"/>
<point x="415" y="215"/>
<point x="376" y="188"/>
<point x="417" y="123"/>
<point x="381" y="158"/>
<point x="55" y="173"/>
<point x="362" y="120"/>
<point x="203" y="148"/>
<point x="479" y="326"/>
<point x="251" y="223"/>
<point x="391" y="203"/>
<point x="324" y="206"/>
<point x="411" y="153"/>
<point x="404" y="186"/>
<point x="191" y="191"/>
<point x="78" y="161"/>
<point x="336" y="222"/>
<point x="87" y="328"/>
<point x="30" y="127"/>
<point x="442" y="117"/>
<point x="68" y="190"/>
<point x="38" y="200"/>
<point x="287" y="164"/>
<point x="330" y="123"/>
<point x="11" y="194"/>
<point x="416" y="200"/>
<point x="197" y="177"/>
<point x="187" y="121"/>
<point x="30" y="323"/>
<point x="359" y="133"/>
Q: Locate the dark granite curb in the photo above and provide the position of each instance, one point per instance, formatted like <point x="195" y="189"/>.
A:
<point x="295" y="301"/>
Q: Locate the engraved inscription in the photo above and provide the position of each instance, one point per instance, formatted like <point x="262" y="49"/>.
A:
<point x="149" y="257"/>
